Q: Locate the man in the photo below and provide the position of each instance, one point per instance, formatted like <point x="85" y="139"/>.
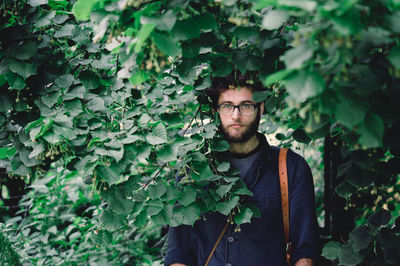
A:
<point x="260" y="242"/>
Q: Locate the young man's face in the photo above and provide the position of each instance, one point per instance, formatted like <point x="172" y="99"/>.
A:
<point x="237" y="126"/>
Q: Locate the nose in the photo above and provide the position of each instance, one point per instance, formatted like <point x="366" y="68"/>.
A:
<point x="236" y="113"/>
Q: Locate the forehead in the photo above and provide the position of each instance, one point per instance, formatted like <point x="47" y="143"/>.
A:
<point x="236" y="95"/>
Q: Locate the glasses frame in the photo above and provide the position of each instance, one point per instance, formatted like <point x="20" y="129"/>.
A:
<point x="255" y="105"/>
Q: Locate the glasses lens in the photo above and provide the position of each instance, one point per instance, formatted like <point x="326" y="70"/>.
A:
<point x="246" y="109"/>
<point x="226" y="109"/>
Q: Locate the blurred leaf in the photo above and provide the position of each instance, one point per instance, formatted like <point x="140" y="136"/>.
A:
<point x="223" y="167"/>
<point x="379" y="218"/>
<point x="35" y="3"/>
<point x="360" y="238"/>
<point x="83" y="8"/>
<point x="142" y="35"/>
<point x="331" y="250"/>
<point x="166" y="44"/>
<point x="304" y="84"/>
<point x="295" y="57"/>
<point x="274" y="19"/>
<point x="347" y="256"/>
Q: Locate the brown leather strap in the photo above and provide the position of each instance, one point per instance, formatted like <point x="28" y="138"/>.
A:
<point x="285" y="199"/>
<point x="216" y="243"/>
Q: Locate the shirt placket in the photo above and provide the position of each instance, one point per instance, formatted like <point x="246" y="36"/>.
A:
<point x="231" y="247"/>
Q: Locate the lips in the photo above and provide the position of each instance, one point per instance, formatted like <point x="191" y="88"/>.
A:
<point x="236" y="125"/>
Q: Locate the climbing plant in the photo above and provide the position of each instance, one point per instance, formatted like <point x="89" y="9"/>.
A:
<point x="114" y="91"/>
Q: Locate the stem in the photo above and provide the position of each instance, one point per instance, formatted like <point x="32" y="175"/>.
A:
<point x="148" y="112"/>
<point x="191" y="121"/>
<point x="151" y="180"/>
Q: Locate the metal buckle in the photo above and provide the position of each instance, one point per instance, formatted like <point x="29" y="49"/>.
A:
<point x="288" y="246"/>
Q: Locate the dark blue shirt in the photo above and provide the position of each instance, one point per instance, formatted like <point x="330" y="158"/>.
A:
<point x="260" y="242"/>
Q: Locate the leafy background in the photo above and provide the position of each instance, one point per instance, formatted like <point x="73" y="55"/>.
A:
<point x="103" y="104"/>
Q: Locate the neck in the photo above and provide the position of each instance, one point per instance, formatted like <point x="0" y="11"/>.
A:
<point x="245" y="147"/>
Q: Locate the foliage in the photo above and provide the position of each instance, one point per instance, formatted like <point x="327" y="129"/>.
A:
<point x="57" y="225"/>
<point x="8" y="256"/>
<point x="116" y="94"/>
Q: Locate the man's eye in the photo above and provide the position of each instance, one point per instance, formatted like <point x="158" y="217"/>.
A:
<point x="246" y="106"/>
<point x="226" y="106"/>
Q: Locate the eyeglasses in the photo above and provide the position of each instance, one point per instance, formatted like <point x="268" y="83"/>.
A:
<point x="244" y="108"/>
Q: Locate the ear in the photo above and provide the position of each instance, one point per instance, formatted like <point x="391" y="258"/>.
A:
<point x="261" y="108"/>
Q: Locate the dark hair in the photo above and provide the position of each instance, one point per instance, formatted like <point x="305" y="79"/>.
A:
<point x="235" y="79"/>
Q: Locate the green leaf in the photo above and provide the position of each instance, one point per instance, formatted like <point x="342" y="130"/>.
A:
<point x="223" y="189"/>
<point x="24" y="51"/>
<point x="142" y="36"/>
<point x="36" y="3"/>
<point x="221" y="67"/>
<point x="156" y="191"/>
<point x="139" y="77"/>
<point x="164" y="216"/>
<point x="66" y="31"/>
<point x="301" y="4"/>
<point x="344" y="189"/>
<point x="220" y="145"/>
<point x="223" y="167"/>
<point x="277" y="76"/>
<point x="360" y="238"/>
<point x="7" y="152"/>
<point x="245" y="61"/>
<point x="243" y="216"/>
<point x="116" y="154"/>
<point x="96" y="104"/>
<point x="378" y="219"/>
<point x="347" y="256"/>
<point x="304" y="84"/>
<point x="295" y="57"/>
<point x="225" y="207"/>
<point x="83" y="8"/>
<point x="371" y="131"/>
<point x="168" y="153"/>
<point x="331" y="250"/>
<point x="188" y="196"/>
<point x="274" y="19"/>
<point x="112" y="221"/>
<point x="166" y="44"/>
<point x="191" y="213"/>
<point x="117" y="203"/>
<point x="164" y="23"/>
<point x="110" y="174"/>
<point x="192" y="27"/>
<point x="260" y="96"/>
<point x="64" y="81"/>
<point x="350" y="111"/>
<point x="394" y="57"/>
<point x="348" y="24"/>
<point x="21" y="68"/>
<point x="158" y="135"/>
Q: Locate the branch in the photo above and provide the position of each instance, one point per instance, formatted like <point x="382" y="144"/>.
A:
<point x="148" y="112"/>
<point x="151" y="180"/>
<point x="146" y="3"/>
<point x="191" y="121"/>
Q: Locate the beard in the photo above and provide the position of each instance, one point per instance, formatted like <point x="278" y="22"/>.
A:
<point x="249" y="131"/>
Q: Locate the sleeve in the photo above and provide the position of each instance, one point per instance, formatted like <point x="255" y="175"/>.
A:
<point x="304" y="231"/>
<point x="179" y="247"/>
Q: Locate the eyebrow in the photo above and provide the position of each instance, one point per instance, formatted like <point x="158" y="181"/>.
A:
<point x="243" y="102"/>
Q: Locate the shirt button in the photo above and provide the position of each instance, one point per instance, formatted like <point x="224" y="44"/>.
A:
<point x="228" y="264"/>
<point x="230" y="240"/>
